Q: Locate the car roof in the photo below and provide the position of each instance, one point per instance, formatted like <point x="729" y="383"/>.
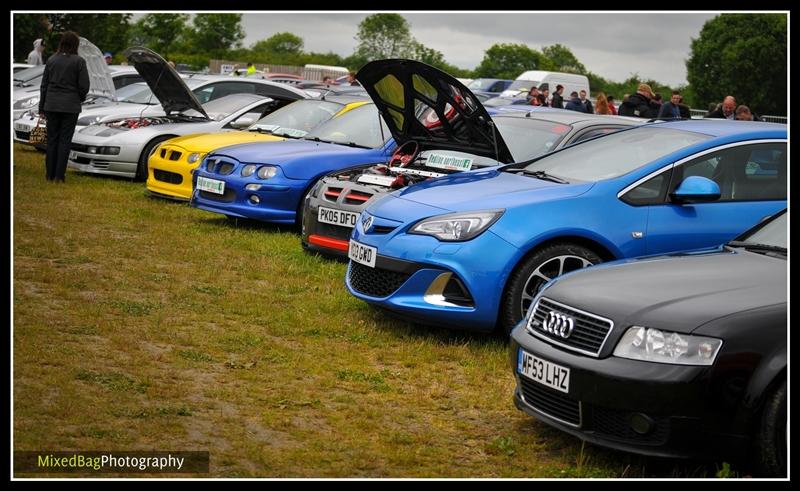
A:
<point x="566" y="117"/>
<point x="121" y="68"/>
<point x="723" y="127"/>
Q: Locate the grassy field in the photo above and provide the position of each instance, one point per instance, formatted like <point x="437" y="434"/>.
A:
<point x="143" y="324"/>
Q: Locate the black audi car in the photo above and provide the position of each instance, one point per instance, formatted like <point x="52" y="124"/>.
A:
<point x="674" y="356"/>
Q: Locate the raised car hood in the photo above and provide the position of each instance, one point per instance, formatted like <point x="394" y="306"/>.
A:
<point x="680" y="292"/>
<point x="426" y="105"/>
<point x="164" y="81"/>
<point x="100" y="82"/>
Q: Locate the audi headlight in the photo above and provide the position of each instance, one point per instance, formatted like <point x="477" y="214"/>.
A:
<point x="266" y="171"/>
<point x="248" y="170"/>
<point x="648" y="344"/>
<point x="458" y="226"/>
<point x="193" y="157"/>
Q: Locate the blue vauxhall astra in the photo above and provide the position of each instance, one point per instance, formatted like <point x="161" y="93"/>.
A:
<point x="472" y="250"/>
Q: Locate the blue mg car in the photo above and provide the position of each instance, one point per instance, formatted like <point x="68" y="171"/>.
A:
<point x="267" y="181"/>
<point x="473" y="249"/>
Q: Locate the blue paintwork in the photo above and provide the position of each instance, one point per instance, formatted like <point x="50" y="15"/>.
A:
<point x="300" y="164"/>
<point x="697" y="187"/>
<point x="537" y="211"/>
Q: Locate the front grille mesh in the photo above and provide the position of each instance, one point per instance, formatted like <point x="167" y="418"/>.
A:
<point x="228" y="196"/>
<point x="616" y="424"/>
<point x="588" y="335"/>
<point x="550" y="402"/>
<point x="165" y="176"/>
<point x="375" y="282"/>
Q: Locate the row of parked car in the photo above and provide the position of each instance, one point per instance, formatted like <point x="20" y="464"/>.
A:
<point x="451" y="215"/>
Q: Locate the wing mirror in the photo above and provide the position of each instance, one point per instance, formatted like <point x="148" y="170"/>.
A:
<point x="696" y="189"/>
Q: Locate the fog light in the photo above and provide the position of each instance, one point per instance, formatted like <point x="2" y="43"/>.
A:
<point x="253" y="187"/>
<point x="254" y="199"/>
<point x="641" y="423"/>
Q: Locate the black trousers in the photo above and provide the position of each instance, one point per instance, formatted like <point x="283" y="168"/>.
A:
<point x="60" y="127"/>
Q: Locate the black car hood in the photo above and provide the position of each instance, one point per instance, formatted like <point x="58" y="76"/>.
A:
<point x="163" y="80"/>
<point x="426" y="105"/>
<point x="680" y="292"/>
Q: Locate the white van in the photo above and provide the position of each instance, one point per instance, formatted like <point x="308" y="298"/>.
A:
<point x="537" y="78"/>
<point x="316" y="72"/>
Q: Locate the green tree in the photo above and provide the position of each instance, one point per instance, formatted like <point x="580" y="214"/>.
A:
<point x="280" y="43"/>
<point x="27" y="29"/>
<point x="510" y="60"/>
<point x="109" y="32"/>
<point x="435" y="58"/>
<point x="562" y="59"/>
<point x="383" y="36"/>
<point x="213" y="35"/>
<point x="744" y="55"/>
<point x="159" y="32"/>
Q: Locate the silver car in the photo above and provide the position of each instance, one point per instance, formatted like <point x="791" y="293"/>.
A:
<point x="121" y="146"/>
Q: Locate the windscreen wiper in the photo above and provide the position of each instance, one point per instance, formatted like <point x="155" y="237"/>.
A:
<point x="752" y="246"/>
<point x="540" y="174"/>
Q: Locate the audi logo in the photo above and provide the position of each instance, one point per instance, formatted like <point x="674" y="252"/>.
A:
<point x="558" y="324"/>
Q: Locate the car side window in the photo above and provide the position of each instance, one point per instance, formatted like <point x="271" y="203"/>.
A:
<point x="125" y="80"/>
<point x="744" y="173"/>
<point x="252" y="115"/>
<point x="651" y="192"/>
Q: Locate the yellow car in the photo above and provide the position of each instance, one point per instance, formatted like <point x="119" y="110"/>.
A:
<point x="171" y="164"/>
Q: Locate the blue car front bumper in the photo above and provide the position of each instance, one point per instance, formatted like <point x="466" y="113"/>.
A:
<point x="275" y="201"/>
<point x="470" y="275"/>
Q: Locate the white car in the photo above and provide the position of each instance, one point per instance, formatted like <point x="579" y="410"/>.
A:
<point x="121" y="146"/>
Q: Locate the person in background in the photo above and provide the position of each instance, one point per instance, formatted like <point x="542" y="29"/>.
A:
<point x="251" y="69"/>
<point x="727" y="110"/>
<point x="602" y="106"/>
<point x="558" y="100"/>
<point x="575" y="103"/>
<point x="640" y="104"/>
<point x="743" y="113"/>
<point x="65" y="84"/>
<point x="533" y="97"/>
<point x="328" y="80"/>
<point x="544" y="96"/>
<point x="108" y="57"/>
<point x="671" y="109"/>
<point x="586" y="103"/>
<point x="351" y="79"/>
<point x="657" y="100"/>
<point x="611" y="105"/>
<point x="35" y="56"/>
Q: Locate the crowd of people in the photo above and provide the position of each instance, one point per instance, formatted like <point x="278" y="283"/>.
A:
<point x="644" y="103"/>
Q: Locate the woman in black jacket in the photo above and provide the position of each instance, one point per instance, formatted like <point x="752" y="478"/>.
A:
<point x="65" y="83"/>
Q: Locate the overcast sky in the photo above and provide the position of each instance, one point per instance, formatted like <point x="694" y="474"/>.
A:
<point x="612" y="45"/>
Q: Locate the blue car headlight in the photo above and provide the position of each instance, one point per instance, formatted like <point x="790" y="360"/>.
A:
<point x="266" y="171"/>
<point x="648" y="344"/>
<point x="248" y="170"/>
<point x="457" y="226"/>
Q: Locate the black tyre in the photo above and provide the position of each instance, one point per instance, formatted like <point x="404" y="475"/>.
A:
<point x="529" y="277"/>
<point x="141" y="169"/>
<point x="771" y="439"/>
